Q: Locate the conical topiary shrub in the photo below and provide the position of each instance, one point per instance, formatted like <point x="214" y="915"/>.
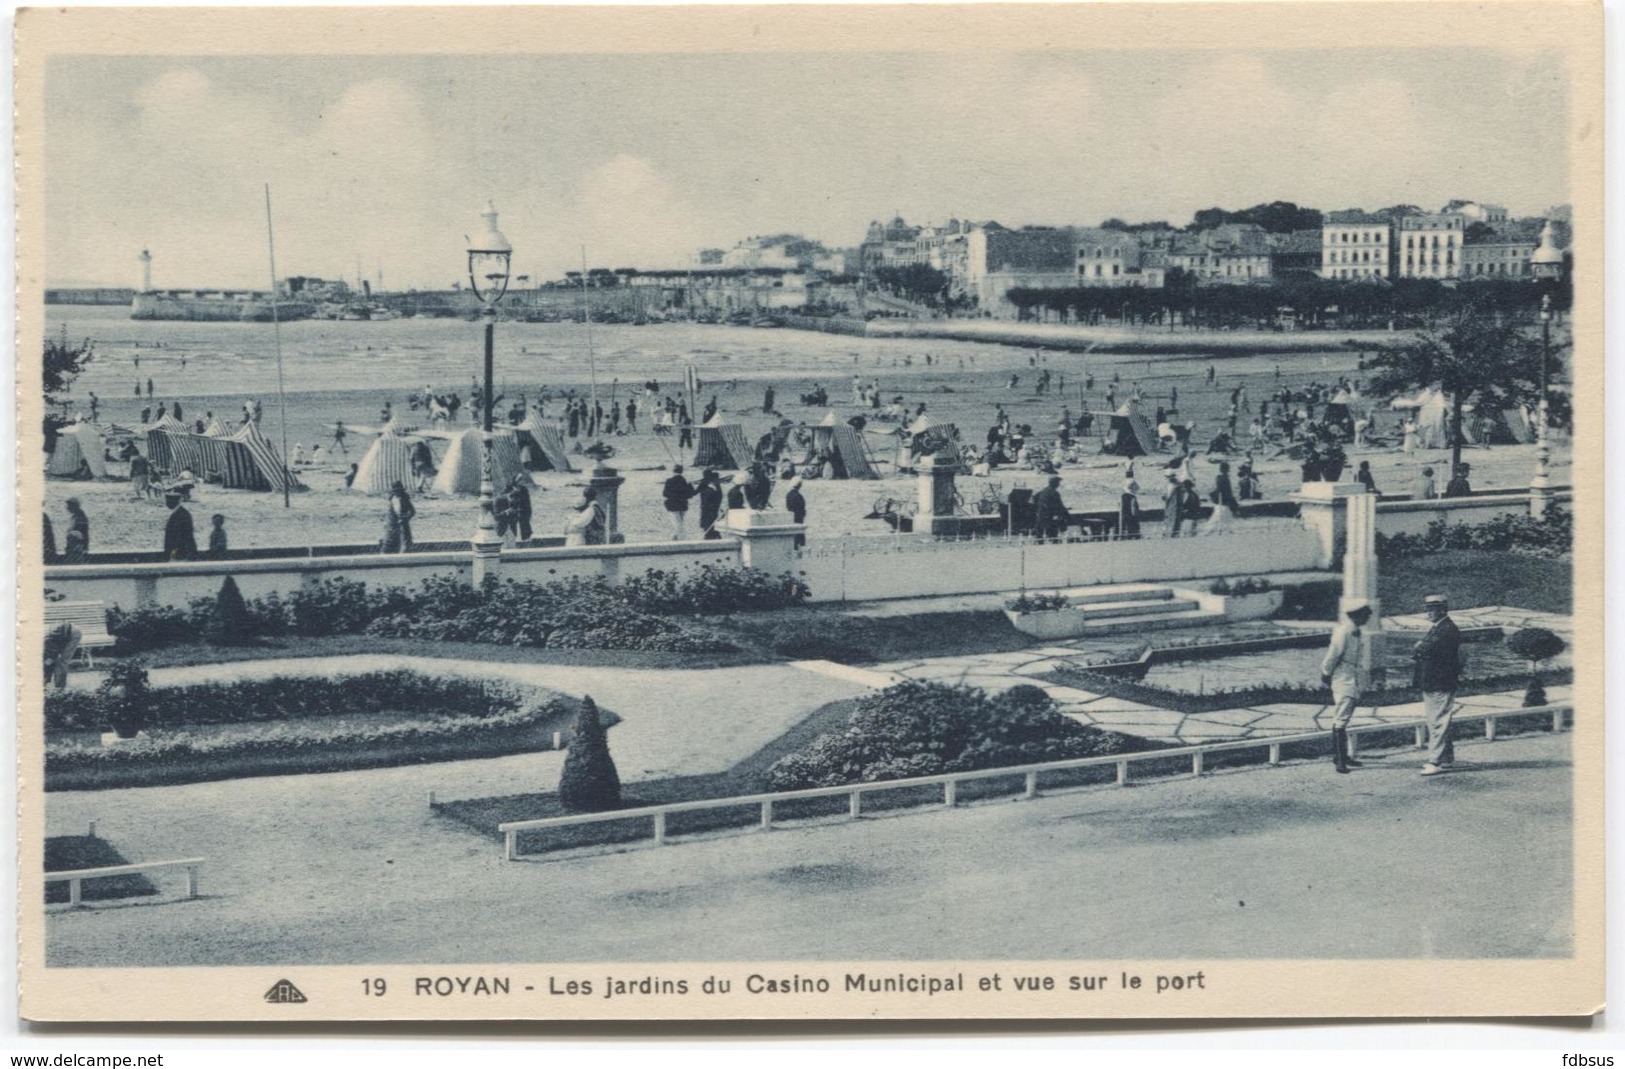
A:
<point x="589" y="782"/>
<point x="230" y="625"/>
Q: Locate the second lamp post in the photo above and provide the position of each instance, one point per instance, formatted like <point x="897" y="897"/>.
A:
<point x="490" y="258"/>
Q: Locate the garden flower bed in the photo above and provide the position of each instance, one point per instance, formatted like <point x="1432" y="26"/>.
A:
<point x="287" y="726"/>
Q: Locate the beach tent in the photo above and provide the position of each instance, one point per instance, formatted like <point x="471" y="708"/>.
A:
<point x="1432" y="419"/>
<point x="245" y="460"/>
<point x="248" y="461"/>
<point x="926" y="435"/>
<point x="843" y="448"/>
<point x="460" y="469"/>
<point x="546" y="445"/>
<point x="388" y="460"/>
<point x="216" y="429"/>
<point x="78" y="454"/>
<point x="1130" y="435"/>
<point x="722" y="446"/>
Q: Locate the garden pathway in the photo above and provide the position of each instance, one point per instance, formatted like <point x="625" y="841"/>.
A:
<point x="1000" y="671"/>
<point x="673" y="721"/>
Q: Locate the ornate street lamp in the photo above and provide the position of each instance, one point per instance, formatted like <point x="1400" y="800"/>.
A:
<point x="490" y="259"/>
<point x="1540" y="487"/>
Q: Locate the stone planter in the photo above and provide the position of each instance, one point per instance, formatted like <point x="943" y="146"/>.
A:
<point x="1237" y="606"/>
<point x="1049" y="623"/>
<point x="1251" y="606"/>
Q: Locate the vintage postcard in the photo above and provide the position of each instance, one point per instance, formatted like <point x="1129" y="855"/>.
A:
<point x="1066" y="511"/>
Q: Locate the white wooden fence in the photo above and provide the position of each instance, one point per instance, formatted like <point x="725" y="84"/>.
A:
<point x="949" y="782"/>
<point x="75" y="877"/>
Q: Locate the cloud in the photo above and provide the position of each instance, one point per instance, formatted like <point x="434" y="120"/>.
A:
<point x="632" y="215"/>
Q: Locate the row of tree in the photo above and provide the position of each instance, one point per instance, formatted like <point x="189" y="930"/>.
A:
<point x="1301" y="298"/>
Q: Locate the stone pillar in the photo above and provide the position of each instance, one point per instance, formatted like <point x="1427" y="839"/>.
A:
<point x="767" y="539"/>
<point x="1360" y="556"/>
<point x="1360" y="577"/>
<point x="607" y="483"/>
<point x="936" y="481"/>
<point x="1323" y="506"/>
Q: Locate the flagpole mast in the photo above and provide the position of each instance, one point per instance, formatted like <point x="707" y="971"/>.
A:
<point x="276" y="328"/>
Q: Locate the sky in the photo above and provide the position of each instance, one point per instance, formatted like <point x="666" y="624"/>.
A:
<point x="386" y="161"/>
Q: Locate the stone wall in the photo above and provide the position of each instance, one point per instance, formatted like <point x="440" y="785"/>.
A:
<point x="863" y="568"/>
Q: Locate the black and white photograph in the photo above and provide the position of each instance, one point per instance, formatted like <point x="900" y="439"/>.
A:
<point x="1087" y="512"/>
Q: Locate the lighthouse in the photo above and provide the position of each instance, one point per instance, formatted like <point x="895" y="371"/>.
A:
<point x="146" y="271"/>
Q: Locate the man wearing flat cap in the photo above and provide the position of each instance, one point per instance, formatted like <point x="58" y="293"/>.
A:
<point x="1347" y="670"/>
<point x="1438" y="673"/>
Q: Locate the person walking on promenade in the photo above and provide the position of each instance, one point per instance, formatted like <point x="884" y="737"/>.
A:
<point x="632" y="416"/>
<point x="339" y="434"/>
<point x="710" y="495"/>
<point x="1049" y="513"/>
<point x="1438" y="673"/>
<point x="398" y="521"/>
<point x="180" y="536"/>
<point x="1128" y="509"/>
<point x="149" y="389"/>
<point x="77" y="548"/>
<point x="675" y="494"/>
<point x="519" y="505"/>
<point x="797" y="506"/>
<point x="1346" y="669"/>
<point x="585" y="527"/>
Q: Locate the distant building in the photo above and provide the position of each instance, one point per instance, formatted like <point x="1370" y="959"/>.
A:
<point x="1429" y="245"/>
<point x="1474" y="212"/>
<point x="709" y="257"/>
<point x="1232" y="254"/>
<point x="1355" y="245"/>
<point x="1000" y="260"/>
<point x="893" y="244"/>
<point x="1106" y="257"/>
<point x="1298" y="251"/>
<point x="1503" y="253"/>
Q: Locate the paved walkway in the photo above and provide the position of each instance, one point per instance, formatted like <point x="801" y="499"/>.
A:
<point x="673" y="722"/>
<point x="1000" y="671"/>
<point x="1288" y="862"/>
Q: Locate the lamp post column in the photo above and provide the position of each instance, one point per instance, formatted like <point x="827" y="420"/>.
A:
<point x="1540" y="487"/>
<point x="487" y="545"/>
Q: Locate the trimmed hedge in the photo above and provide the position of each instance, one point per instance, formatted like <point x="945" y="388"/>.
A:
<point x="643" y="613"/>
<point x="286" y="698"/>
<point x="1550" y="536"/>
<point x="461" y="727"/>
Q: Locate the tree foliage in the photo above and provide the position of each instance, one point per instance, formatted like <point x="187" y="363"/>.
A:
<point x="1277" y="217"/>
<point x="589" y="782"/>
<point x="916" y="282"/>
<point x="1476" y="355"/>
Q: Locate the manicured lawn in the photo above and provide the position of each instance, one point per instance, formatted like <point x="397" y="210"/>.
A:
<point x="66" y="853"/>
<point x="1474" y="577"/>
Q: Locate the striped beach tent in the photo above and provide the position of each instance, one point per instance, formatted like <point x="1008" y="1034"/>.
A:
<point x="844" y="450"/>
<point x="546" y="445"/>
<point x="250" y="462"/>
<point x="216" y="429"/>
<point x="388" y="460"/>
<point x="460" y="469"/>
<point x="722" y="446"/>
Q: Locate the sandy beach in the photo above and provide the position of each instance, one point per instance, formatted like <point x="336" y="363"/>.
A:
<point x="346" y="371"/>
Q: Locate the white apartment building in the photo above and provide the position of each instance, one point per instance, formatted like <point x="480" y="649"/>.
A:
<point x="1429" y="245"/>
<point x="1355" y="245"/>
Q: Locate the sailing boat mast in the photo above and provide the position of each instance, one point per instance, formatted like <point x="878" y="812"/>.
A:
<point x="276" y="328"/>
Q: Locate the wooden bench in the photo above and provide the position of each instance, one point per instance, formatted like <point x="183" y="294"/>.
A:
<point x="75" y="878"/>
<point x="90" y="617"/>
